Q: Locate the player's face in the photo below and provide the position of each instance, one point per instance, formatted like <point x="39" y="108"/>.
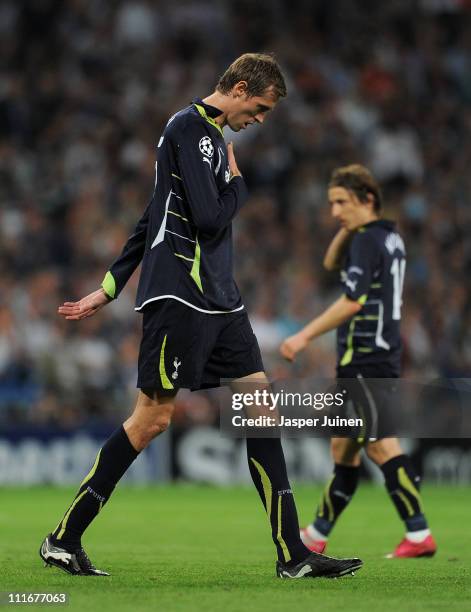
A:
<point x="347" y="209"/>
<point x="247" y="110"/>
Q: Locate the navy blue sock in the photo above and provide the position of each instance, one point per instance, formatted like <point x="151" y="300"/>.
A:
<point x="111" y="463"/>
<point x="268" y="470"/>
<point x="336" y="497"/>
<point x="403" y="483"/>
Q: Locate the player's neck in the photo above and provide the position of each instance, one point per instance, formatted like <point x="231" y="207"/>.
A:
<point x="221" y="102"/>
<point x="369" y="219"/>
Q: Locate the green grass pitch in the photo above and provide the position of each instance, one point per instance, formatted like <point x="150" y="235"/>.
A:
<point x="185" y="548"/>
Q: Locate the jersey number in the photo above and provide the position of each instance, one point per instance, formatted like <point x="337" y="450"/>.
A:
<point x="398" y="270"/>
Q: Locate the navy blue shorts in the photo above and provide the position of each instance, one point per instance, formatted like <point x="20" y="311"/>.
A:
<point x="184" y="348"/>
<point x="372" y="395"/>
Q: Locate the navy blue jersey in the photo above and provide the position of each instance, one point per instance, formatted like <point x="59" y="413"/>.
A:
<point x="373" y="275"/>
<point x="184" y="238"/>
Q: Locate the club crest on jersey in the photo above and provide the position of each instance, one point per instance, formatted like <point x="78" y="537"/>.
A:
<point x="206" y="146"/>
<point x="176" y="365"/>
<point x="227" y="175"/>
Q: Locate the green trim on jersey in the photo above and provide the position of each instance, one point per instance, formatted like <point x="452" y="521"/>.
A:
<point x="166" y="384"/>
<point x="109" y="285"/>
<point x="195" y="269"/>
<point x="348" y="355"/>
<point x="210" y="120"/>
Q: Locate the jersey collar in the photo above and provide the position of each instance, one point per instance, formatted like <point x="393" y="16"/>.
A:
<point x="208" y="113"/>
<point x="390" y="225"/>
<point x="211" y="111"/>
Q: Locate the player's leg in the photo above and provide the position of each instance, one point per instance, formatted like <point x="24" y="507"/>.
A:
<point x="403" y="486"/>
<point x="337" y="494"/>
<point x="235" y="355"/>
<point x="168" y="331"/>
<point x="345" y="450"/>
<point x="151" y="417"/>
<point x="268" y="470"/>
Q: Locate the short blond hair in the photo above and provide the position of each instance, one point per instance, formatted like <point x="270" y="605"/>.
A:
<point x="260" y="70"/>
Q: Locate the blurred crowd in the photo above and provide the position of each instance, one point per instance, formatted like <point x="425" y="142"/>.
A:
<point x="86" y="87"/>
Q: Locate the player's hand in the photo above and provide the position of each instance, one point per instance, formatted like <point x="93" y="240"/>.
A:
<point x="293" y="345"/>
<point x="232" y="161"/>
<point x="86" y="307"/>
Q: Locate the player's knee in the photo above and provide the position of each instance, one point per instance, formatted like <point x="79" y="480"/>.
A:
<point x="373" y="453"/>
<point x="377" y="453"/>
<point x="146" y="434"/>
<point x="345" y="452"/>
<point x="141" y="433"/>
<point x="160" y="425"/>
<point x="383" y="450"/>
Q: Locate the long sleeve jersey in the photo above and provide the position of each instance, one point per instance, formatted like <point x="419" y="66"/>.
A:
<point x="184" y="238"/>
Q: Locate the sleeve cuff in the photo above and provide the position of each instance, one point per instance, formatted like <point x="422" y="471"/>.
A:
<point x="361" y="300"/>
<point x="109" y="286"/>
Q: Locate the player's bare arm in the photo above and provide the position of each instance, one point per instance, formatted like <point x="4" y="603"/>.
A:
<point x="86" y="307"/>
<point x="336" y="249"/>
<point x="339" y="312"/>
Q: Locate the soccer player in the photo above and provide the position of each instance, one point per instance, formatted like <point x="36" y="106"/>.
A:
<point x="367" y="317"/>
<point x="195" y="327"/>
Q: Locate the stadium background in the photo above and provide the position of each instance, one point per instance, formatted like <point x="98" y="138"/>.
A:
<point x="85" y="90"/>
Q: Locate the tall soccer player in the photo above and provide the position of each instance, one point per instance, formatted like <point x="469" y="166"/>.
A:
<point x="372" y="258"/>
<point x="195" y="327"/>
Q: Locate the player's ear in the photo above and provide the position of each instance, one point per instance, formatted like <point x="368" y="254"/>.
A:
<point x="370" y="200"/>
<point x="240" y="89"/>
